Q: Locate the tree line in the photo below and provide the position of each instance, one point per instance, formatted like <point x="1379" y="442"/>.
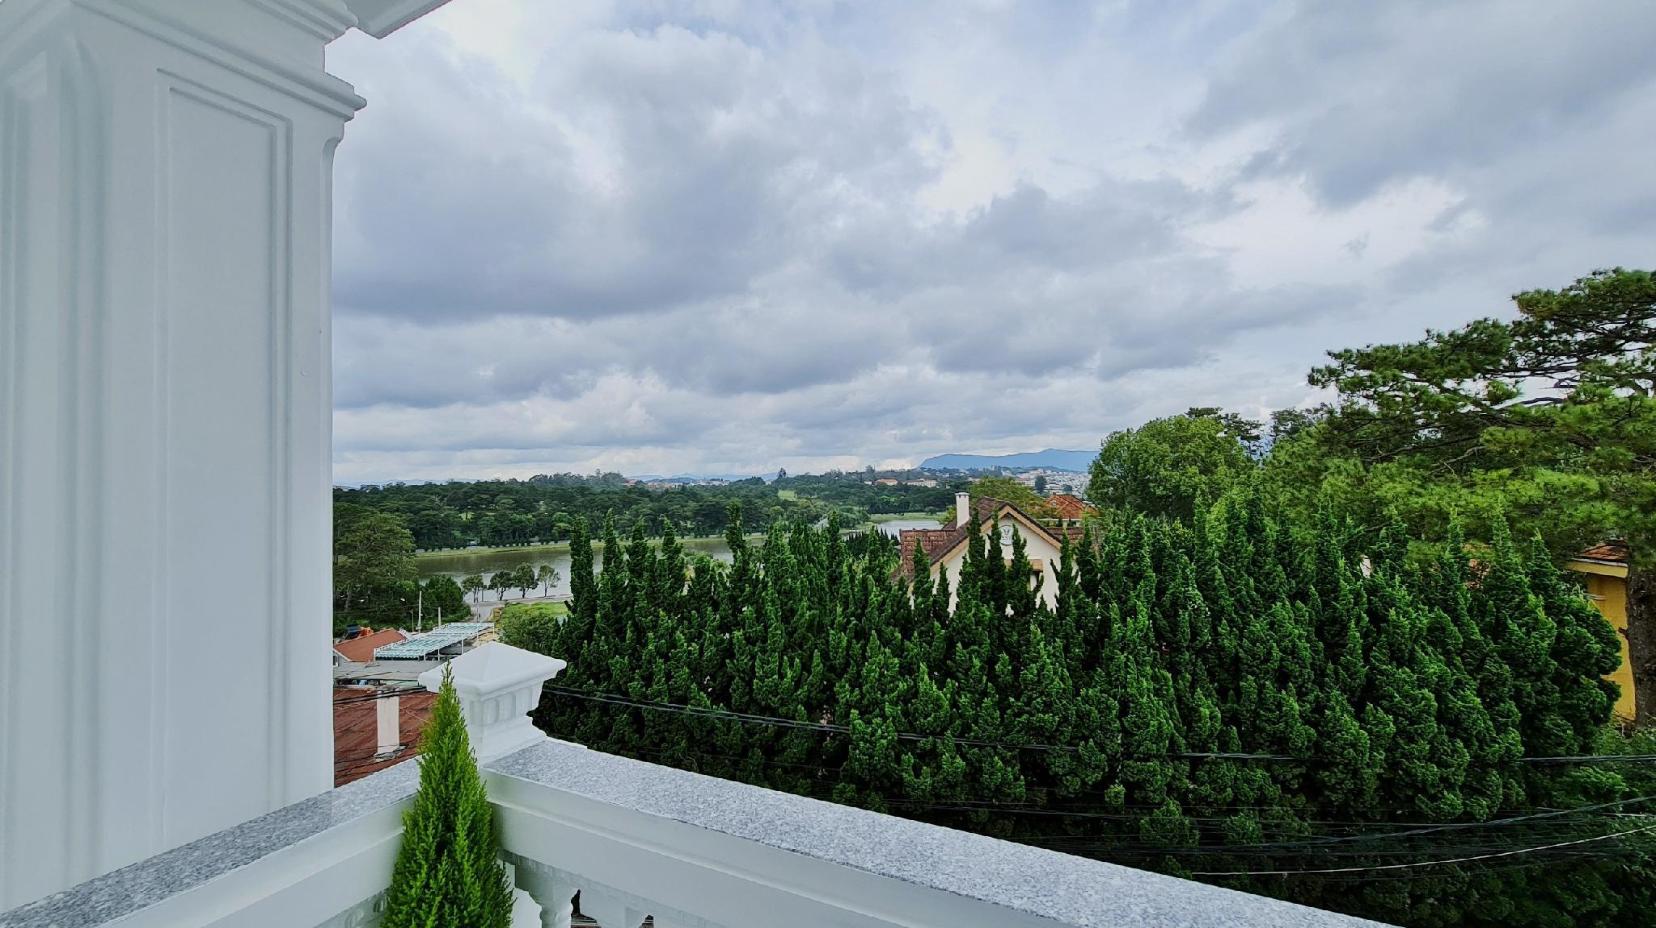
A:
<point x="540" y="510"/>
<point x="375" y="581"/>
<point x="525" y="578"/>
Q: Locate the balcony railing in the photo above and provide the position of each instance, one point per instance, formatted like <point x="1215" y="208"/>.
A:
<point x="640" y="840"/>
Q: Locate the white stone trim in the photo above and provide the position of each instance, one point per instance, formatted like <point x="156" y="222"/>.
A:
<point x="498" y="686"/>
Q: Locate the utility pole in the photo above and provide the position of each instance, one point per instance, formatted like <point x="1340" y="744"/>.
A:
<point x="419" y="611"/>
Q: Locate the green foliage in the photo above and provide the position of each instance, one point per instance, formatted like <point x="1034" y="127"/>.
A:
<point x="374" y="574"/>
<point x="1169" y="467"/>
<point x="532" y="626"/>
<point x="1383" y="689"/>
<point x="1010" y="490"/>
<point x="448" y="872"/>
<point x="1546" y="421"/>
<point x="442" y="600"/>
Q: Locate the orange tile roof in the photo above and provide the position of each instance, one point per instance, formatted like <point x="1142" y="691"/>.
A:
<point x="361" y="650"/>
<point x="1069" y="506"/>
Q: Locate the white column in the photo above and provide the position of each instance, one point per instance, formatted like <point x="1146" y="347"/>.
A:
<point x="165" y="172"/>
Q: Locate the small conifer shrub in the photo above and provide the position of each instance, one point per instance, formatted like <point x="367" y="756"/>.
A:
<point x="448" y="872"/>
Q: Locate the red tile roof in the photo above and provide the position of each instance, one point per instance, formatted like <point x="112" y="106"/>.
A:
<point x="1069" y="506"/>
<point x="360" y="650"/>
<point x="356" y="729"/>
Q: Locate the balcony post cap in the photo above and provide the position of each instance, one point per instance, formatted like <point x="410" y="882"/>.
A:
<point x="498" y="686"/>
<point x="492" y="667"/>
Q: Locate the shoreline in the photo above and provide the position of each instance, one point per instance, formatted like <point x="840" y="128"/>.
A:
<point x="553" y="547"/>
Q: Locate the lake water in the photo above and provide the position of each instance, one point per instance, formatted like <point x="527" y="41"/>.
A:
<point x="461" y="564"/>
<point x="897" y="525"/>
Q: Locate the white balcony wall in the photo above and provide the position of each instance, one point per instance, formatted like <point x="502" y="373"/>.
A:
<point x="165" y="172"/>
<point x="637" y="839"/>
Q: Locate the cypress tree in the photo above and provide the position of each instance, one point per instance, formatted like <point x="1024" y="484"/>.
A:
<point x="1403" y="682"/>
<point x="448" y="872"/>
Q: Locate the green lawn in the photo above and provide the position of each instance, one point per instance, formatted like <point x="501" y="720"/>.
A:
<point x="556" y="609"/>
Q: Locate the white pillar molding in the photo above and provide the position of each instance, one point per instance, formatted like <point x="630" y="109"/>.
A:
<point x="498" y="686"/>
<point x="165" y="416"/>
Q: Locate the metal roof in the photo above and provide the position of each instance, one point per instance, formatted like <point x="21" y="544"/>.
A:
<point x="377" y="673"/>
<point x="443" y="636"/>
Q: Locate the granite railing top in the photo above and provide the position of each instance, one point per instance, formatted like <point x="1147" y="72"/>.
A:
<point x="1066" y="889"/>
<point x="137" y="886"/>
<point x="1062" y="888"/>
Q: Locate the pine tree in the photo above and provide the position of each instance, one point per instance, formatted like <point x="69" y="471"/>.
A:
<point x="448" y="872"/>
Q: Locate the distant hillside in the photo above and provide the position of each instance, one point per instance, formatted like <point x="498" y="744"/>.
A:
<point x="1052" y="458"/>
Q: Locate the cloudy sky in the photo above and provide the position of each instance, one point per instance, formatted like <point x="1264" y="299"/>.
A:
<point x="725" y="236"/>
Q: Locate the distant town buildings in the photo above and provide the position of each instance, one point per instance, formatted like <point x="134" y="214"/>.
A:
<point x="676" y="482"/>
<point x="902" y="482"/>
<point x="1055" y="481"/>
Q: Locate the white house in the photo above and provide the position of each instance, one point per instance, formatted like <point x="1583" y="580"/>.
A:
<point x="945" y="548"/>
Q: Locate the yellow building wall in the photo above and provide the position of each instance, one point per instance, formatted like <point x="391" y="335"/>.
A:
<point x="1607" y="585"/>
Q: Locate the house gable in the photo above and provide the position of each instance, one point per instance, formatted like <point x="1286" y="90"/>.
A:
<point x="1028" y="527"/>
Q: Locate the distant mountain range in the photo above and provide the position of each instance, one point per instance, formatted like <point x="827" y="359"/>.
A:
<point x="1051" y="458"/>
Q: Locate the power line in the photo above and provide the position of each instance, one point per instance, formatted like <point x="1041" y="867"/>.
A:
<point x="731" y="715"/>
<point x="1428" y="863"/>
<point x="381" y="694"/>
<point x="1593" y="759"/>
<point x="1534" y="824"/>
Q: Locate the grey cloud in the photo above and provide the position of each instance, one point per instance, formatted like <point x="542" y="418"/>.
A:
<point x="1425" y="88"/>
<point x="713" y="164"/>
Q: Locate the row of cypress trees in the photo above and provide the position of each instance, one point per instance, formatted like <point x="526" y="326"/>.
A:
<point x="1319" y="707"/>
